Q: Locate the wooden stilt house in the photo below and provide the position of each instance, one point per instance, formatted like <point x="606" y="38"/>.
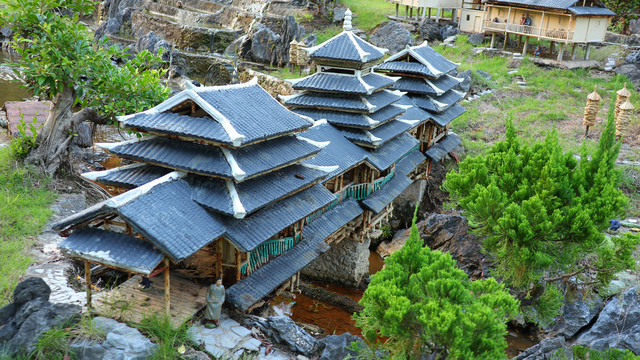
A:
<point x="430" y="85"/>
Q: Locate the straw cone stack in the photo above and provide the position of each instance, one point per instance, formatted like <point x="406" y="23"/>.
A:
<point x="624" y="118"/>
<point x="622" y="96"/>
<point x="293" y="52"/>
<point x="591" y="110"/>
<point x="303" y="56"/>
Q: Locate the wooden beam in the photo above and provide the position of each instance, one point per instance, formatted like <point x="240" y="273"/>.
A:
<point x="167" y="289"/>
<point x="219" y="258"/>
<point x="238" y="265"/>
<point x="87" y="280"/>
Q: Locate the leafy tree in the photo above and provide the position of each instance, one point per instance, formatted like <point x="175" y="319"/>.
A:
<point x="624" y="10"/>
<point x="60" y="60"/>
<point x="543" y="213"/>
<point x="422" y="302"/>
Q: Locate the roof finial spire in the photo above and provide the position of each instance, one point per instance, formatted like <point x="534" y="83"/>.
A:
<point x="347" y="20"/>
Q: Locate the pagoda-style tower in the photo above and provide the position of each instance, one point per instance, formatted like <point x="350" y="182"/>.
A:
<point x="224" y="186"/>
<point x="429" y="82"/>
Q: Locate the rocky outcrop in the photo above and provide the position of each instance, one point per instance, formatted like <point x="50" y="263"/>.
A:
<point x="121" y="342"/>
<point x="284" y="331"/>
<point x="450" y="233"/>
<point x="618" y="324"/>
<point x="429" y="30"/>
<point x="30" y="315"/>
<point x="575" y="314"/>
<point x="544" y="350"/>
<point x="476" y="39"/>
<point x="392" y="36"/>
<point x="269" y="42"/>
<point x="631" y="68"/>
<point x="335" y="346"/>
<point x="345" y="263"/>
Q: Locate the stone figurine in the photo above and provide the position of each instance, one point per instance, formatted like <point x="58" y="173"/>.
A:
<point x="215" y="299"/>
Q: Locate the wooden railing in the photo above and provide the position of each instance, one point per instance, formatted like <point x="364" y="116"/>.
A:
<point x="555" y="34"/>
<point x="263" y="253"/>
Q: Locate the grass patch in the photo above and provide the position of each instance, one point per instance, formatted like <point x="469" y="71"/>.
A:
<point x="24" y="210"/>
<point x="367" y="14"/>
<point x="327" y="33"/>
<point x="169" y="339"/>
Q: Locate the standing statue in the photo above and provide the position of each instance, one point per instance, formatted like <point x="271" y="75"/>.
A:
<point x="215" y="299"/>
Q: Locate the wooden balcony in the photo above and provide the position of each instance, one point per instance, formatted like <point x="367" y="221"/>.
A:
<point x="532" y="31"/>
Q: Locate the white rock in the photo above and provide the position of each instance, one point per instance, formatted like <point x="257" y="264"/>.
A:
<point x="228" y="323"/>
<point x="214" y="351"/>
<point x="251" y="344"/>
<point x="241" y="331"/>
<point x="229" y="340"/>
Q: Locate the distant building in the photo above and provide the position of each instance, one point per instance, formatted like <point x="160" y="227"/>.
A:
<point x="562" y="22"/>
<point x="423" y="8"/>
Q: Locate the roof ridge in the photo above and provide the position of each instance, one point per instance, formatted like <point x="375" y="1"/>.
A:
<point x="363" y="54"/>
<point x="236" y="171"/>
<point x="239" y="211"/>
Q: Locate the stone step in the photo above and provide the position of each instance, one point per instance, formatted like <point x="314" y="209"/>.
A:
<point x="223" y="18"/>
<point x="184" y="37"/>
<point x="236" y="14"/>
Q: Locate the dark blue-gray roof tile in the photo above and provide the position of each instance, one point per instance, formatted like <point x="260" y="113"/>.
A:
<point x="353" y="103"/>
<point x="344" y="47"/>
<point x="381" y="134"/>
<point x="168" y="123"/>
<point x="255" y="193"/>
<point x="438" y="104"/>
<point x="250" y="232"/>
<point x="410" y="162"/>
<point x="388" y="154"/>
<point x="354" y="120"/>
<point x="447" y="116"/>
<point x="201" y="159"/>
<point x="377" y="201"/>
<point x="173" y="222"/>
<point x="332" y="220"/>
<point x="132" y="177"/>
<point x="343" y="83"/>
<point x="406" y="67"/>
<point x="426" y="87"/>
<point x="112" y="249"/>
<point x="438" y="151"/>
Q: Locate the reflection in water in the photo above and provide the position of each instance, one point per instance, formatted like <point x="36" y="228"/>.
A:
<point x="9" y="90"/>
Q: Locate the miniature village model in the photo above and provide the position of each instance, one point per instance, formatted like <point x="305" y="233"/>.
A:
<point x="229" y="183"/>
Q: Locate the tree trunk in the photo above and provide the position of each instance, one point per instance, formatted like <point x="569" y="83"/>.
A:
<point x="58" y="131"/>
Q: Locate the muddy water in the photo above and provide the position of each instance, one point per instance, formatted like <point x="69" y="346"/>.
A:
<point x="9" y="90"/>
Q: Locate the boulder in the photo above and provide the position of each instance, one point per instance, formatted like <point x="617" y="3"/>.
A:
<point x="484" y="74"/>
<point x="634" y="26"/>
<point x="465" y="85"/>
<point x="476" y="39"/>
<point x="286" y="332"/>
<point x="429" y="30"/>
<point x="30" y="289"/>
<point x="575" y="314"/>
<point x="152" y="43"/>
<point x="6" y="31"/>
<point x="633" y="58"/>
<point x="450" y="233"/>
<point x="263" y="43"/>
<point x="335" y="346"/>
<point x="110" y="26"/>
<point x="632" y="72"/>
<point x="338" y="14"/>
<point x="311" y="40"/>
<point x="618" y="325"/>
<point x="392" y="36"/>
<point x="122" y="342"/>
<point x="448" y="31"/>
<point x="543" y="350"/>
<point x="83" y="136"/>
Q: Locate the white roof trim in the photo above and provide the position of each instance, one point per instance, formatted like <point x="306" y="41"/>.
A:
<point x="459" y="93"/>
<point x="370" y="121"/>
<point x="122" y="199"/>
<point x="438" y="104"/>
<point x="165" y="105"/>
<point x="308" y="118"/>
<point x="319" y="122"/>
<point x="437" y="89"/>
<point x="374" y="140"/>
<point x="368" y="88"/>
<point x="94" y="175"/>
<point x="286" y="98"/>
<point x="370" y="107"/>
<point x="396" y="92"/>
<point x="363" y="54"/>
<point x="394" y="78"/>
<point x="318" y="144"/>
<point x="406" y="107"/>
<point x="235" y="137"/>
<point x="408" y="122"/>
<point x="236" y="171"/>
<point x="456" y="78"/>
<point x="327" y="169"/>
<point x="426" y="63"/>
<point x="252" y="82"/>
<point x="239" y="211"/>
<point x="313" y="49"/>
<point x="109" y="146"/>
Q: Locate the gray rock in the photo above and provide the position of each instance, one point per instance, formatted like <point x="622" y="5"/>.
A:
<point x="263" y="43"/>
<point x="335" y="346"/>
<point x="544" y="350"/>
<point x="634" y="26"/>
<point x="285" y="331"/>
<point x="30" y="289"/>
<point x="575" y="315"/>
<point x="465" y="85"/>
<point x="338" y="14"/>
<point x="88" y="350"/>
<point x="476" y="39"/>
<point x="7" y="312"/>
<point x="235" y="49"/>
<point x="633" y="58"/>
<point x="429" y="30"/>
<point x="6" y="31"/>
<point x="448" y="30"/>
<point x="84" y="135"/>
<point x="392" y="36"/>
<point x="618" y="325"/>
<point x="311" y="40"/>
<point x="152" y="43"/>
<point x="632" y="72"/>
<point x="484" y="74"/>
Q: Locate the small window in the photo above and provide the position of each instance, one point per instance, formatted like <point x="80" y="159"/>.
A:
<point x="468" y="17"/>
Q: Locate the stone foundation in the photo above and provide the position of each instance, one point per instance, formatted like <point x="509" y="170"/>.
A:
<point x="346" y="263"/>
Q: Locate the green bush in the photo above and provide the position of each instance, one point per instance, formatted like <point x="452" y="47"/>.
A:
<point x="423" y="303"/>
